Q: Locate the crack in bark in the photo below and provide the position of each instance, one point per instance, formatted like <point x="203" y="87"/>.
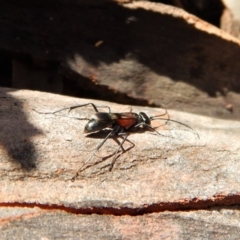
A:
<point x="182" y="205"/>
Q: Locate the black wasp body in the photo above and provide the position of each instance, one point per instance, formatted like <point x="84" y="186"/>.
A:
<point x="119" y="124"/>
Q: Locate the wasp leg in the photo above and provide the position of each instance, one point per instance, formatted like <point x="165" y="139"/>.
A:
<point x="73" y="107"/>
<point x="51" y="112"/>
<point x="145" y="125"/>
<point x="115" y="154"/>
<point x="171" y="120"/>
<point x="93" y="105"/>
<point x="114" y="132"/>
<point x="160" y="115"/>
<point x="92" y="155"/>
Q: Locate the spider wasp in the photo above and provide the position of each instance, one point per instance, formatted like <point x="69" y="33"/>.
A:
<point x="119" y="124"/>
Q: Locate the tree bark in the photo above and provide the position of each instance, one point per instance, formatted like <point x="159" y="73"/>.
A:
<point x="40" y="154"/>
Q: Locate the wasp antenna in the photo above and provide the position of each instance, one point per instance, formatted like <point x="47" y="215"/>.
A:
<point x="171" y="120"/>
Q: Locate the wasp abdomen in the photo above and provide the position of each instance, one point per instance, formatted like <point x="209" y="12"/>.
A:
<point x="126" y="123"/>
<point x="98" y="121"/>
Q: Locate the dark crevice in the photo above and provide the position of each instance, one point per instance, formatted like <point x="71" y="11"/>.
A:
<point x="5" y="69"/>
<point x="185" y="205"/>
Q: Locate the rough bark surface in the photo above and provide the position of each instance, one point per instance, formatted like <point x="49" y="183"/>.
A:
<point x="36" y="223"/>
<point x="40" y="154"/>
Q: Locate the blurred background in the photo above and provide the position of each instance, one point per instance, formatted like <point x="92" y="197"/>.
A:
<point x="179" y="54"/>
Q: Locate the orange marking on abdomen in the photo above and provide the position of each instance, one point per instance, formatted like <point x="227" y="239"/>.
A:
<point x="126" y="122"/>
